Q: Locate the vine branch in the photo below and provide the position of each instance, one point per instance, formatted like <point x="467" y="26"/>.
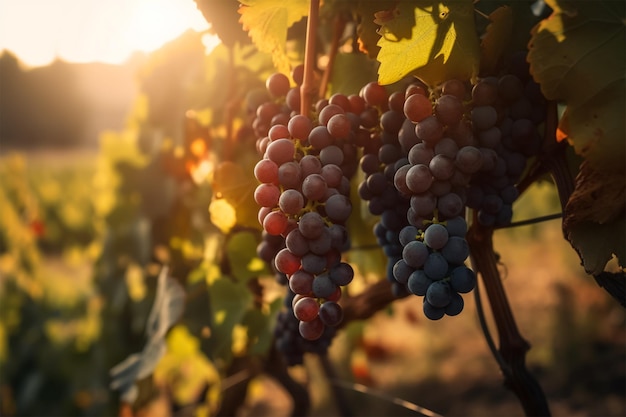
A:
<point x="339" y="25"/>
<point x="307" y="90"/>
<point x="512" y="346"/>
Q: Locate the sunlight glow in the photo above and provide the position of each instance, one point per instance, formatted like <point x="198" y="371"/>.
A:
<point x="37" y="31"/>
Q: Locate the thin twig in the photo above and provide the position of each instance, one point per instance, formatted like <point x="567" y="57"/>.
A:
<point x="487" y="333"/>
<point x="534" y="220"/>
<point x="307" y="90"/>
<point x="375" y="393"/>
<point x="338" y="28"/>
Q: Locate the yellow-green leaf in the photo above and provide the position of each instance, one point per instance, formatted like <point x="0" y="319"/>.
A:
<point x="267" y="22"/>
<point x="241" y="251"/>
<point x="235" y="183"/>
<point x="434" y="41"/>
<point x="222" y="214"/>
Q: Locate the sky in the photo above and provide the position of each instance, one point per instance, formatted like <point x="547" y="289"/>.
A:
<point x="38" y="31"/>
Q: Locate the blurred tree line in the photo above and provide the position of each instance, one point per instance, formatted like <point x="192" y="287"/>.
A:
<point x="40" y="107"/>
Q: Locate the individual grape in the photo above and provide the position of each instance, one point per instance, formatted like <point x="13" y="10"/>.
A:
<point x="408" y="234"/>
<point x="449" y="109"/>
<point x="323" y="286"/>
<point x="436" y="236"/>
<point x="290" y="201"/>
<point x="289" y="175"/>
<point x="490" y="138"/>
<point x="311" y="225"/>
<point x="484" y="117"/>
<point x="455" y="88"/>
<point x="510" y="88"/>
<point x="399" y="180"/>
<point x="430" y="130"/>
<point x="431" y="312"/>
<point x="314" y="187"/>
<point x="418" y="282"/>
<point x="339" y="126"/>
<point x="391" y="122"/>
<point x="339" y="237"/>
<point x="456" y="250"/>
<point x="417" y="107"/>
<point x="267" y="195"/>
<point x="415" y="254"/>
<point x="315" y="264"/>
<point x="469" y="159"/>
<point x="266" y="171"/>
<point x="301" y="282"/>
<point x="281" y="151"/>
<point x="455" y="306"/>
<point x="309" y="165"/>
<point x="323" y="244"/>
<point x="278" y="131"/>
<point x="277" y="85"/>
<point x="436" y="266"/>
<point x="306" y="309"/>
<point x="299" y="127"/>
<point x="439" y="294"/>
<point x="338" y="208"/>
<point x="421" y="154"/>
<point x="331" y="155"/>
<point x="401" y="271"/>
<point x="332" y="174"/>
<point x="450" y="205"/>
<point x="340" y="100"/>
<point x="441" y="167"/>
<point x="485" y="93"/>
<point x="286" y="262"/>
<point x="297" y="243"/>
<point x="311" y="330"/>
<point x="275" y="223"/>
<point x="462" y="279"/>
<point x="331" y="313"/>
<point x="424" y="203"/>
<point x="320" y="138"/>
<point x="341" y="274"/>
<point x="456" y="226"/>
<point x="328" y="112"/>
<point x="447" y="147"/>
<point x="374" y="94"/>
<point x="419" y="178"/>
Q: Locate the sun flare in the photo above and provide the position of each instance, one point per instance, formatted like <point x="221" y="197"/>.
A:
<point x="85" y="31"/>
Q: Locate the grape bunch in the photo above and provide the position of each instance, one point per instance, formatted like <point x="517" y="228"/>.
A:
<point x="379" y="166"/>
<point x="287" y="334"/>
<point x="304" y="198"/>
<point x="505" y="112"/>
<point x="432" y="266"/>
<point x="442" y="158"/>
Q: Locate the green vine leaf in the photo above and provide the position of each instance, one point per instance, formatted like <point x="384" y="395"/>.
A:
<point x="346" y="81"/>
<point x="496" y="39"/>
<point x="367" y="29"/>
<point x="229" y="303"/>
<point x="433" y="41"/>
<point x="267" y="21"/>
<point x="222" y="16"/>
<point x="595" y="218"/>
<point x="241" y="251"/>
<point x="578" y="57"/>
